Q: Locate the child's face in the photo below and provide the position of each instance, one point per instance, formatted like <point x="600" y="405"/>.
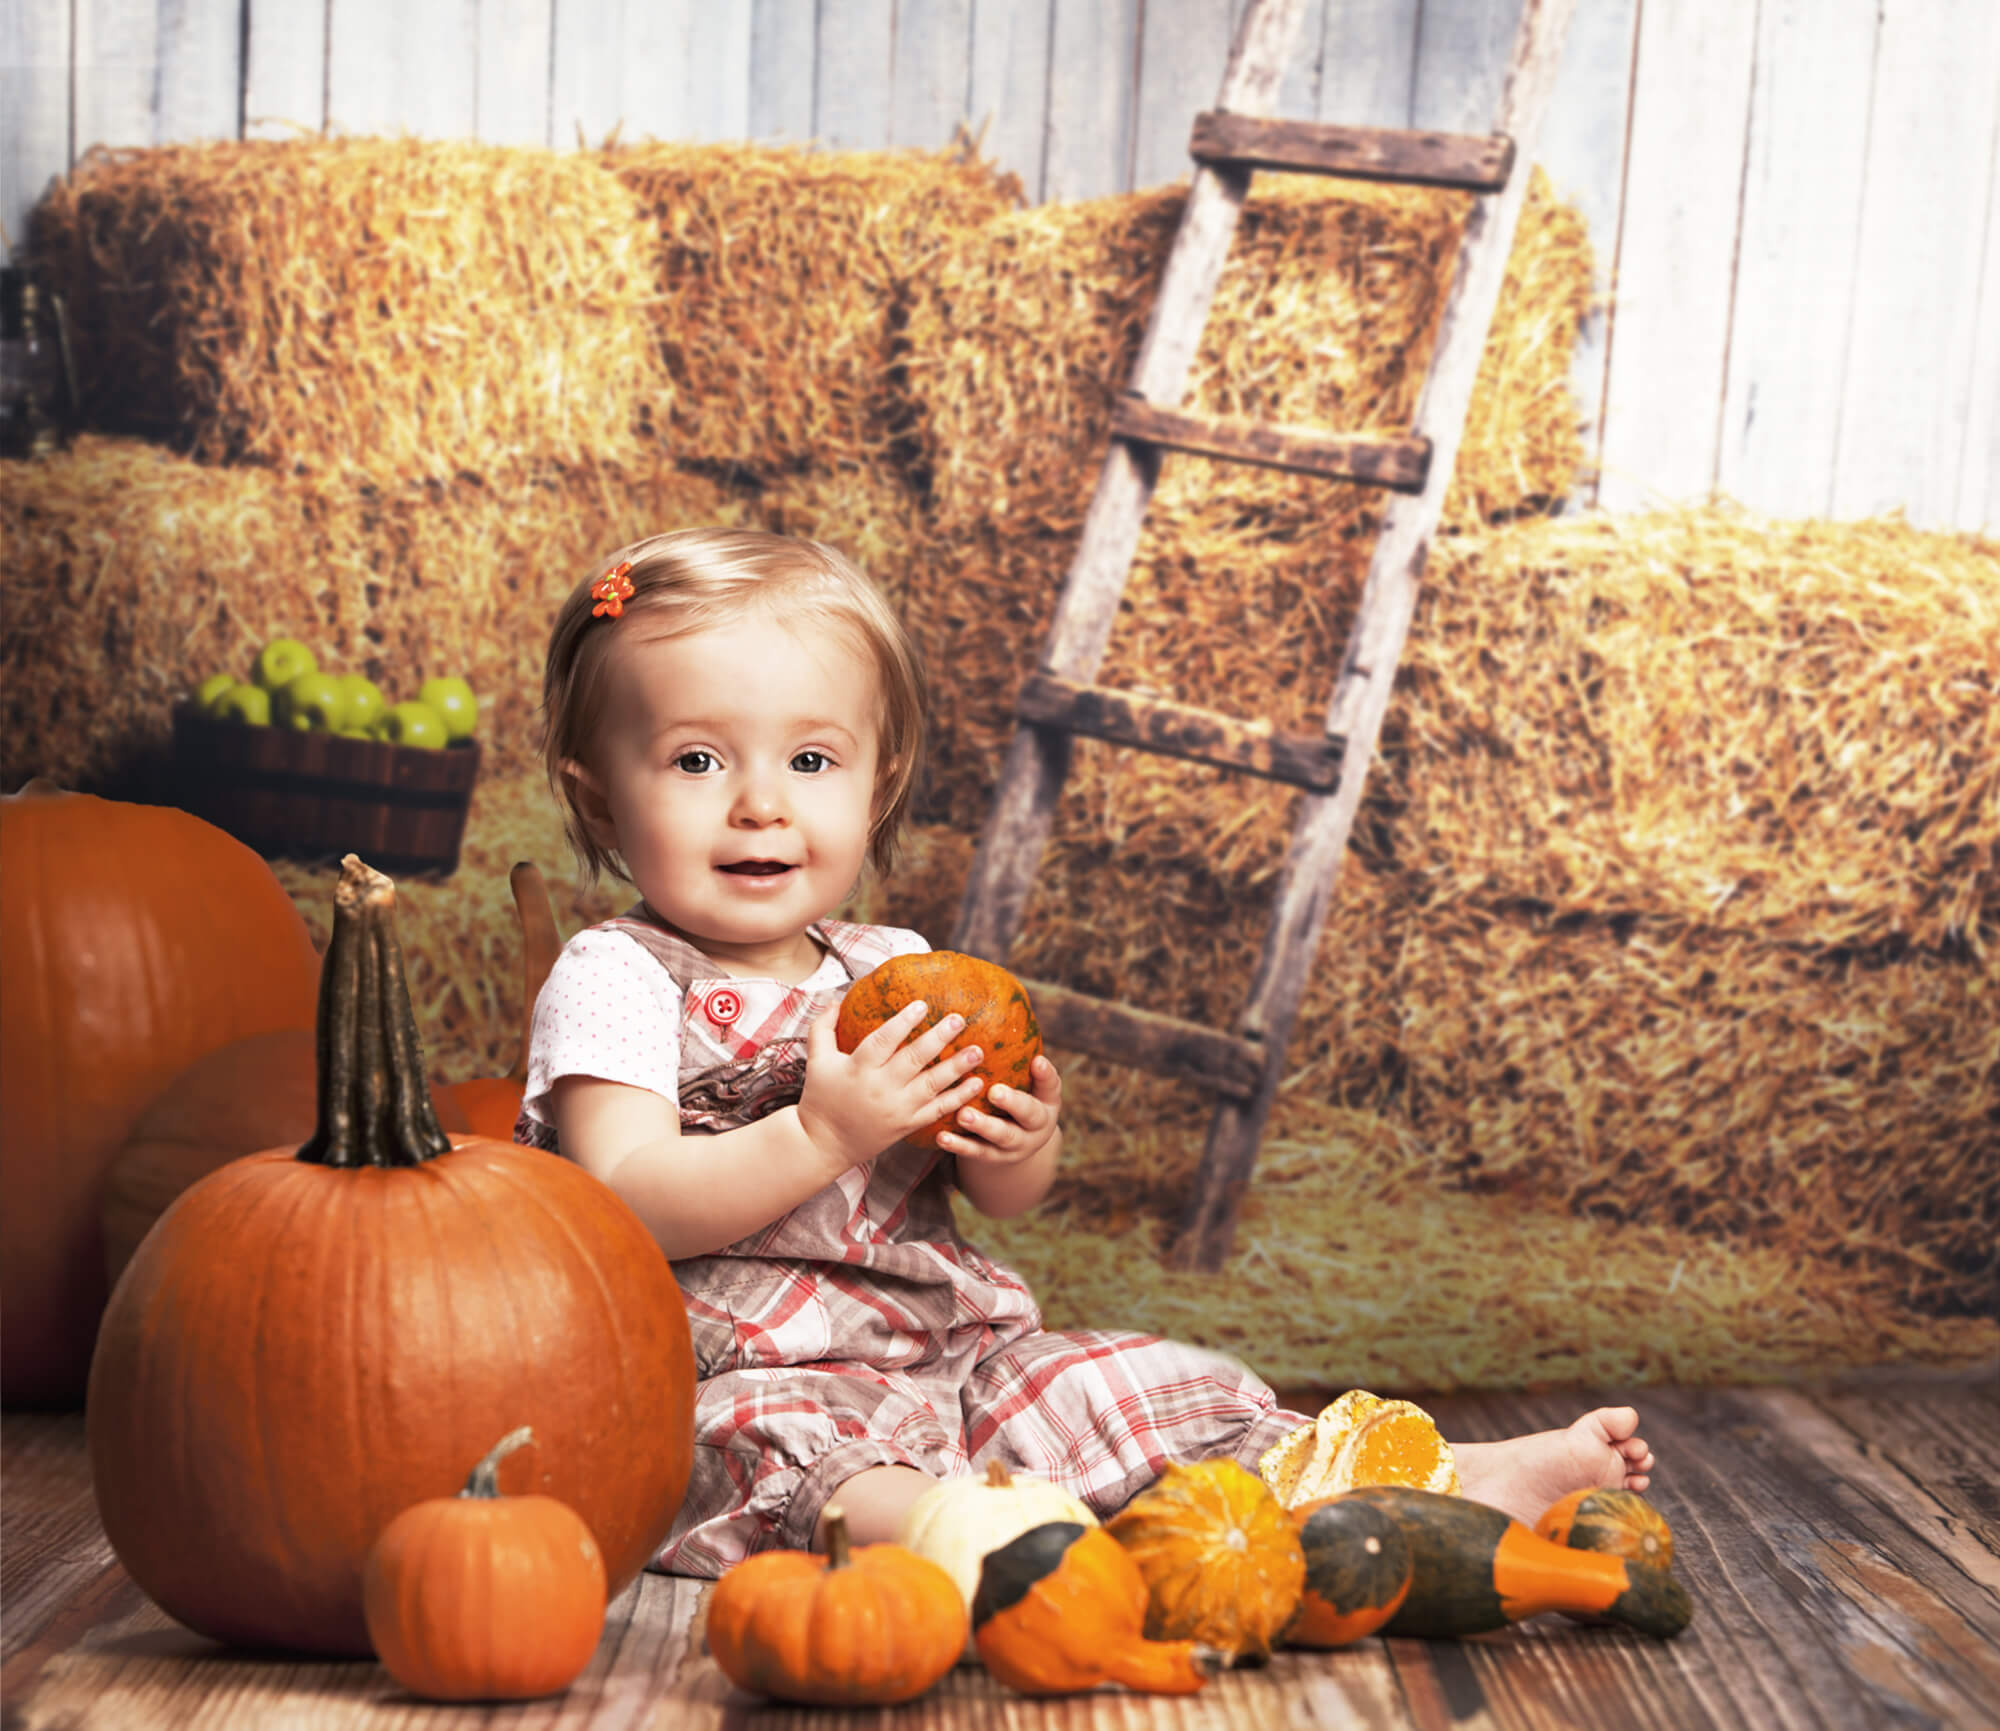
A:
<point x="736" y="769"/>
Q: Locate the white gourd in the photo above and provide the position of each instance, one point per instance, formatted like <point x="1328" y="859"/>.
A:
<point x="958" y="1521"/>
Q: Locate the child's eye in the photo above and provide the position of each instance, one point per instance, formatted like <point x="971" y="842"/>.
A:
<point x="695" y="762"/>
<point x="811" y="762"/>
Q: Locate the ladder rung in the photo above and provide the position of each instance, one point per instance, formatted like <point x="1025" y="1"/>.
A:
<point x="1310" y="760"/>
<point x="1147" y="1040"/>
<point x="1400" y="464"/>
<point x="1468" y="160"/>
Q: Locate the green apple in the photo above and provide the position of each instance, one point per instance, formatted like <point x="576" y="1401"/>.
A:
<point x="281" y="661"/>
<point x="363" y="704"/>
<point x="411" y="724"/>
<point x="211" y="688"/>
<point x="453" y="700"/>
<point x="244" y="702"/>
<point x="313" y="703"/>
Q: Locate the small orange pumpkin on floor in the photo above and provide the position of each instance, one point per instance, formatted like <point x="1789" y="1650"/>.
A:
<point x="481" y="1597"/>
<point x="861" y="1626"/>
<point x="998" y="1017"/>
<point x="1220" y="1556"/>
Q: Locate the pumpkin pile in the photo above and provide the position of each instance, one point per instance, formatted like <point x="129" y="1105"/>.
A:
<point x="313" y="1339"/>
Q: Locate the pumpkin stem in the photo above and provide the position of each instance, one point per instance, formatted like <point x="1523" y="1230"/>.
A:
<point x="374" y="1106"/>
<point x="485" y="1477"/>
<point x="836" y="1537"/>
<point x="997" y="1475"/>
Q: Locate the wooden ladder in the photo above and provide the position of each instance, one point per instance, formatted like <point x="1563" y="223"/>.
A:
<point x="1059" y="700"/>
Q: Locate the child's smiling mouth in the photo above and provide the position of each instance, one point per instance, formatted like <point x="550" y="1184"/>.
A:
<point x="757" y="868"/>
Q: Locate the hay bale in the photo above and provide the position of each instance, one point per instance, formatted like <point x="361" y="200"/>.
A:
<point x="1789" y="728"/>
<point x="133" y="574"/>
<point x="782" y="275"/>
<point x="365" y="308"/>
<point x="1024" y="331"/>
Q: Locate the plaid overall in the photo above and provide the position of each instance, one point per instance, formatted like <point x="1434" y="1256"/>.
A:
<point x="861" y="1330"/>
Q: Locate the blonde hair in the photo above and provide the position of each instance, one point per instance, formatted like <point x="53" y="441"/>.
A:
<point x="693" y="580"/>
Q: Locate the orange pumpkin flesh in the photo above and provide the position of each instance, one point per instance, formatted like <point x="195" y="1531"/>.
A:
<point x="481" y="1597"/>
<point x="133" y="940"/>
<point x="998" y="1017"/>
<point x="310" y="1341"/>
<point x="871" y="1625"/>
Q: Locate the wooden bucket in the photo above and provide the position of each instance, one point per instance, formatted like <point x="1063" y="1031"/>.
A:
<point x="311" y="795"/>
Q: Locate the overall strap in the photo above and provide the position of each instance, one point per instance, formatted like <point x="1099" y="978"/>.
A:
<point x="685" y="964"/>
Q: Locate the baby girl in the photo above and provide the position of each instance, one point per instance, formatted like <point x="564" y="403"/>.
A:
<point x="733" y="722"/>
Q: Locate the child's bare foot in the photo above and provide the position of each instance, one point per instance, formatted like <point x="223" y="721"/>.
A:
<point x="1524" y="1474"/>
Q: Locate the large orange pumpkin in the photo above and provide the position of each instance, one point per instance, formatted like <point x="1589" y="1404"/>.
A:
<point x="312" y="1340"/>
<point x="134" y="939"/>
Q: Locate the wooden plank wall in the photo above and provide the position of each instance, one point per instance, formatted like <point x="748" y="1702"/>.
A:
<point x="1798" y="200"/>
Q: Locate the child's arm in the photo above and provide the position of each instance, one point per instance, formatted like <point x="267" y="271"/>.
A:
<point x="1006" y="1164"/>
<point x="699" y="1193"/>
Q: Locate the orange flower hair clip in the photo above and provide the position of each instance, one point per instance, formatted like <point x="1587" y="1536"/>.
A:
<point x="612" y="591"/>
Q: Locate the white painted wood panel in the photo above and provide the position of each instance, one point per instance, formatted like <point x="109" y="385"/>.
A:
<point x="857" y="71"/>
<point x="1583" y="150"/>
<point x="1008" y="106"/>
<point x="718" y="99"/>
<point x="511" y="92"/>
<point x="1368" y="62"/>
<point x="1669" y="331"/>
<point x="1796" y="264"/>
<point x="34" y="106"/>
<point x="200" y="76"/>
<point x="1462" y="52"/>
<point x="1298" y="95"/>
<point x="393" y="66"/>
<point x="1183" y="51"/>
<point x="933" y="72"/>
<point x="117" y="68"/>
<point x="1906" y="401"/>
<point x="784" y="48"/>
<point x="1092" y="50"/>
<point x="284" y="74"/>
<point x="1977" y="502"/>
<point x="620" y="66"/>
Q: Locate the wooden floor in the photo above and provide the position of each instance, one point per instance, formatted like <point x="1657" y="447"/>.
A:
<point x="1841" y="1542"/>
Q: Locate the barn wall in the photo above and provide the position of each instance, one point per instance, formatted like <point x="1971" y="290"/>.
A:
<point x="1798" y="200"/>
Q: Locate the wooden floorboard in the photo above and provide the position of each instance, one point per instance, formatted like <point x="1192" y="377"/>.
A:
<point x="1841" y="1543"/>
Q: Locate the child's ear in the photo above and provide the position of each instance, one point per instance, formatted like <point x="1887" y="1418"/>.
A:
<point x="586" y="792"/>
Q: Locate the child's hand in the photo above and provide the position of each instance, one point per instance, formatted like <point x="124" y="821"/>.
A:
<point x="855" y="1104"/>
<point x="1027" y="1127"/>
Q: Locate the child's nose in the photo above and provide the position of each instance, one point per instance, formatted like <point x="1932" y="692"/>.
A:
<point x="760" y="800"/>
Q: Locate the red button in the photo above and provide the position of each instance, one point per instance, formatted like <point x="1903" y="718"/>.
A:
<point x="723" y="1007"/>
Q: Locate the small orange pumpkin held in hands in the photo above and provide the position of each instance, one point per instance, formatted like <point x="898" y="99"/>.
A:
<point x="999" y="1020"/>
<point x="862" y="1626"/>
<point x="481" y="1597"/>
